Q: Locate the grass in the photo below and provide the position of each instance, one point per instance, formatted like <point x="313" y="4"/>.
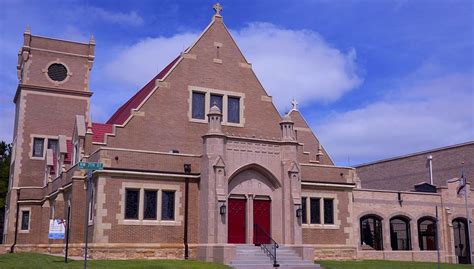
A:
<point x="41" y="261"/>
<point x="373" y="264"/>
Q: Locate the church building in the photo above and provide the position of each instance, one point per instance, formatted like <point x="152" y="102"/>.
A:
<point x="199" y="163"/>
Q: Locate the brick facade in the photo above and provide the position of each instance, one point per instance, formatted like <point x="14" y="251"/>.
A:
<point x="148" y="143"/>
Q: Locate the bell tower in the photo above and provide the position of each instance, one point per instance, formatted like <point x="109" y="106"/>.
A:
<point x="53" y="87"/>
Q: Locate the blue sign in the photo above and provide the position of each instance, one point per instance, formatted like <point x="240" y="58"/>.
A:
<point x="57" y="228"/>
<point x="91" y="166"/>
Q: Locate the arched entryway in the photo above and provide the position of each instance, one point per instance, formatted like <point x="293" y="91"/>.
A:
<point x="253" y="194"/>
<point x="462" y="248"/>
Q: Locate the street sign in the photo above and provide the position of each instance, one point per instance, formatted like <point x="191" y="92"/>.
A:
<point x="91" y="166"/>
<point x="57" y="228"/>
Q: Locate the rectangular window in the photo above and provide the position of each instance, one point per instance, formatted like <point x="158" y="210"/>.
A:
<point x="149" y="209"/>
<point x="53" y="144"/>
<point x="328" y="211"/>
<point x="303" y="210"/>
<point x="38" y="147"/>
<point x="233" y="109"/>
<point x="216" y="100"/>
<point x="91" y="205"/>
<point x="315" y="212"/>
<point x="167" y="205"/>
<point x="198" y="105"/>
<point x="132" y="197"/>
<point x="25" y="220"/>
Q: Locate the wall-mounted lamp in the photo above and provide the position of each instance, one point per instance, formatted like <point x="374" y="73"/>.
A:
<point x="187" y="168"/>
<point x="299" y="212"/>
<point x="223" y="209"/>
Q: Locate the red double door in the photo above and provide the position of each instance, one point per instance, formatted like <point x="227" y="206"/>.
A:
<point x="237" y="221"/>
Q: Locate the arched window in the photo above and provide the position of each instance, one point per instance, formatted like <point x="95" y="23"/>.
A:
<point x="462" y="248"/>
<point x="427" y="233"/>
<point x="400" y="233"/>
<point x="371" y="231"/>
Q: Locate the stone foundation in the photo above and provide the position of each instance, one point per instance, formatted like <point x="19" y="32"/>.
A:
<point x="416" y="256"/>
<point x="335" y="253"/>
<point x="111" y="251"/>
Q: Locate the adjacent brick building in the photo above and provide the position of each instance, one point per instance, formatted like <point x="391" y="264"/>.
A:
<point x="200" y="158"/>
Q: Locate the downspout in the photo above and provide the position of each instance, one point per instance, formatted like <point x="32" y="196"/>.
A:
<point x="187" y="171"/>
<point x="12" y="249"/>
<point x="430" y="162"/>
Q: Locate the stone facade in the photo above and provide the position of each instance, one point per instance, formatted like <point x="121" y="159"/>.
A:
<point x="154" y="148"/>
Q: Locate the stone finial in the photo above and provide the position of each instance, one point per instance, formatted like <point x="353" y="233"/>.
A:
<point x="218" y="8"/>
<point x="92" y="40"/>
<point x="294" y="105"/>
<point x="27" y="30"/>
<point x="287" y="131"/>
<point x="215" y="119"/>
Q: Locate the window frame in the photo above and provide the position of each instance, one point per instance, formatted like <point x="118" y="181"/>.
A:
<point x="321" y="196"/>
<point x="33" y="156"/>
<point x="406" y="220"/>
<point x="207" y="105"/>
<point x="421" y="235"/>
<point x="376" y="219"/>
<point x="22" y="210"/>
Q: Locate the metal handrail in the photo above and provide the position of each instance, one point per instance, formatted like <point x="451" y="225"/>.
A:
<point x="268" y="244"/>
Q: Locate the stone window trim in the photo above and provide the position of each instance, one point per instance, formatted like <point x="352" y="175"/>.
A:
<point x="337" y="222"/>
<point x="45" y="145"/>
<point x="20" y="219"/>
<point x="57" y="83"/>
<point x="207" y="104"/>
<point x="159" y="187"/>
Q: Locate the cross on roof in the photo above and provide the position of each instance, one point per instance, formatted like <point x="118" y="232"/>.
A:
<point x="217" y="7"/>
<point x="294" y="103"/>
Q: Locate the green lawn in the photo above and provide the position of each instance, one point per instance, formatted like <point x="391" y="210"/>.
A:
<point x="40" y="261"/>
<point x="387" y="265"/>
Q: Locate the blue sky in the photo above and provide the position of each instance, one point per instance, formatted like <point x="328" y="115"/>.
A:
<point x="374" y="79"/>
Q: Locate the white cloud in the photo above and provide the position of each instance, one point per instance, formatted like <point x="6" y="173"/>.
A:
<point x="131" y="18"/>
<point x="290" y="63"/>
<point x="417" y="115"/>
<point x="297" y="64"/>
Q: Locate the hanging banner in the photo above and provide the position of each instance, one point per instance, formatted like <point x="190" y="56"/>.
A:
<point x="57" y="228"/>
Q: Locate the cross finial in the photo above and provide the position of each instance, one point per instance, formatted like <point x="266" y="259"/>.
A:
<point x="217" y="7"/>
<point x="294" y="103"/>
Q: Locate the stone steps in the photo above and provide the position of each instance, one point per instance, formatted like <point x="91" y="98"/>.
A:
<point x="250" y="257"/>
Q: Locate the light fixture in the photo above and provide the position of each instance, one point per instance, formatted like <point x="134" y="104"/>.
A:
<point x="223" y="209"/>
<point x="299" y="212"/>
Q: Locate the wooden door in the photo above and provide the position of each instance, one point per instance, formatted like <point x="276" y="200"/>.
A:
<point x="236" y="221"/>
<point x="261" y="221"/>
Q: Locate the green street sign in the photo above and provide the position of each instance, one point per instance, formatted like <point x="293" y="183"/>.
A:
<point x="91" y="166"/>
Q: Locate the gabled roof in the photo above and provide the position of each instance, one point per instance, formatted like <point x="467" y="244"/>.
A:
<point x="122" y="114"/>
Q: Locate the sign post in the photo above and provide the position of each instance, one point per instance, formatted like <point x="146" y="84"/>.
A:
<point x="90" y="167"/>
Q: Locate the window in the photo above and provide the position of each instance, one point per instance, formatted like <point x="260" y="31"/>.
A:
<point x="198" y="105"/>
<point x="371" y="232"/>
<point x="25" y="220"/>
<point x="315" y="210"/>
<point x="216" y="100"/>
<point x="57" y="72"/>
<point x="149" y="209"/>
<point x="132" y="197"/>
<point x="75" y="153"/>
<point x="400" y="233"/>
<point x="167" y="205"/>
<point x="328" y="211"/>
<point x="233" y="109"/>
<point x="38" y="147"/>
<point x="427" y="233"/>
<point x="53" y="144"/>
<point x="303" y="210"/>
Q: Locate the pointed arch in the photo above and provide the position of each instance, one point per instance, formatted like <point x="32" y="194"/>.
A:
<point x="257" y="167"/>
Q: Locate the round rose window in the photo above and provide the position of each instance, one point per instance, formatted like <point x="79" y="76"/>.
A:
<point x="57" y="72"/>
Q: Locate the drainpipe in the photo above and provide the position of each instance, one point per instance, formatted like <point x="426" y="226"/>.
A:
<point x="187" y="171"/>
<point x="12" y="249"/>
<point x="430" y="162"/>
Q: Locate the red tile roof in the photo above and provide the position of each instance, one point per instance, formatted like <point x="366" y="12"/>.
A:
<point x="99" y="130"/>
<point x="122" y="114"/>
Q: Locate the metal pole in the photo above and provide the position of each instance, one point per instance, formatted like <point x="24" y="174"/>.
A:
<point x="468" y="217"/>
<point x="187" y="170"/>
<point x="437" y="236"/>
<point x="86" y="222"/>
<point x="67" y="231"/>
